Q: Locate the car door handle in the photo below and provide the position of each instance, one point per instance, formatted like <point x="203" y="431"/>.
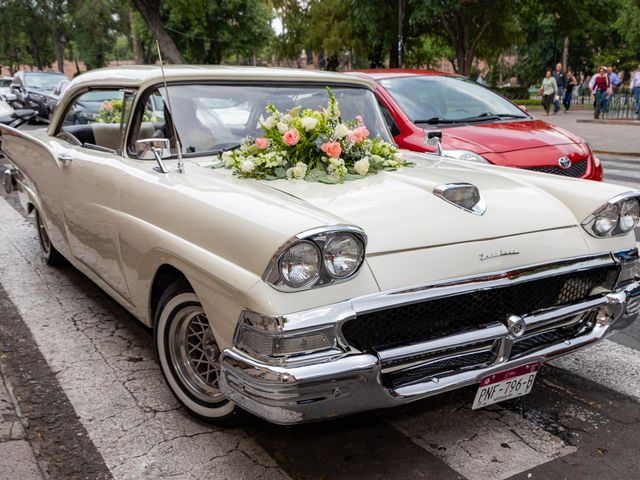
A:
<point x="65" y="157"/>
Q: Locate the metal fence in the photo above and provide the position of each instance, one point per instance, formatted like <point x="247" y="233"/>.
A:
<point x="622" y="106"/>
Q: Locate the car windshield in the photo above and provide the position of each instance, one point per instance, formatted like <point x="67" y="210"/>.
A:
<point x="42" y="81"/>
<point x="440" y="99"/>
<point x="5" y="82"/>
<point x="213" y="117"/>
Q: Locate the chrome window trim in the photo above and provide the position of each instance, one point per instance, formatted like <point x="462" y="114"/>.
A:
<point x="272" y="273"/>
<point x="588" y="222"/>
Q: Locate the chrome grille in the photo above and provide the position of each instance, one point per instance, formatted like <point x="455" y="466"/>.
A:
<point x="441" y="317"/>
<point x="577" y="169"/>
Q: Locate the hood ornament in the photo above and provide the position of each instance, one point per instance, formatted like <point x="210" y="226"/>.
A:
<point x="462" y="195"/>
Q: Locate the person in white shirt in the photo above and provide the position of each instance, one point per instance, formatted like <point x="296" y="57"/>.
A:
<point x="635" y="88"/>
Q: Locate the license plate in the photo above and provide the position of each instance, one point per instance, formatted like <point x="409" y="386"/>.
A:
<point x="500" y="386"/>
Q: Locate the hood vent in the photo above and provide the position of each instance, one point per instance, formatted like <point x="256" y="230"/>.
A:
<point x="462" y="195"/>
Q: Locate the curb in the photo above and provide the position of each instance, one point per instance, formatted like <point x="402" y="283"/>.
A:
<point x="621" y="154"/>
<point x="612" y="121"/>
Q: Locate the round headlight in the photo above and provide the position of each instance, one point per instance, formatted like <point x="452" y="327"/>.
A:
<point x="629" y="214"/>
<point x="300" y="264"/>
<point x="606" y="220"/>
<point x="343" y="254"/>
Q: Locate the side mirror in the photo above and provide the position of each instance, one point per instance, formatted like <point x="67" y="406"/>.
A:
<point x="434" y="139"/>
<point x="158" y="146"/>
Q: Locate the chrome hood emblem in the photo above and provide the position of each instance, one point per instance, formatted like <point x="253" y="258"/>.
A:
<point x="564" y="163"/>
<point x="462" y="195"/>
<point x="501" y="253"/>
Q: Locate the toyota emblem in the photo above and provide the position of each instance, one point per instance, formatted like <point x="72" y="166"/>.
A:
<point x="564" y="163"/>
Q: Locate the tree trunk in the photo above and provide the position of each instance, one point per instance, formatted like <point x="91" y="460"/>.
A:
<point x="135" y="43"/>
<point x="150" y="11"/>
<point x="565" y="53"/>
<point x="58" y="45"/>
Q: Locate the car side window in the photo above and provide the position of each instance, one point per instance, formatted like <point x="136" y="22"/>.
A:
<point x="97" y="119"/>
<point x="391" y="123"/>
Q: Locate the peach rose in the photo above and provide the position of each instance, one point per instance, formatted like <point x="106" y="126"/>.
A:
<point x="291" y="137"/>
<point x="359" y="135"/>
<point x="332" y="149"/>
<point x="262" y="143"/>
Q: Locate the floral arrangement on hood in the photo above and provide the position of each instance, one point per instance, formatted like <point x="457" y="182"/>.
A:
<point x="316" y="146"/>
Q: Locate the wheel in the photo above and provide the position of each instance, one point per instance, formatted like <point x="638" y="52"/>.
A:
<point x="190" y="357"/>
<point x="51" y="256"/>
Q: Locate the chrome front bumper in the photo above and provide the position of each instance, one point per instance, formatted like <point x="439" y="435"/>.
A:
<point x="347" y="383"/>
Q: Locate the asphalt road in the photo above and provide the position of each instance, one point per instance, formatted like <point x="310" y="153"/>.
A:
<point x="84" y="374"/>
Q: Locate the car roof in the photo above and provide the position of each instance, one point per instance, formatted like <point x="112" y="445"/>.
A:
<point x="139" y="76"/>
<point x="382" y="73"/>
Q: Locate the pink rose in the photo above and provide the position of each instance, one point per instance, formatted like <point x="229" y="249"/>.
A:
<point x="262" y="143"/>
<point x="291" y="137"/>
<point x="332" y="149"/>
<point x="107" y="106"/>
<point x="359" y="134"/>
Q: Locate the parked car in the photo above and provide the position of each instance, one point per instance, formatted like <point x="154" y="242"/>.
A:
<point x="32" y="90"/>
<point x="14" y="118"/>
<point x="52" y="99"/>
<point x="5" y="90"/>
<point x="476" y="124"/>
<point x="304" y="300"/>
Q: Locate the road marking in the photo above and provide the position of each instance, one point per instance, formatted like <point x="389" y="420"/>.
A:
<point x="607" y="363"/>
<point x="490" y="443"/>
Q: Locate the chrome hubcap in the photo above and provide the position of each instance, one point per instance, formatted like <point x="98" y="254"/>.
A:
<point x="194" y="354"/>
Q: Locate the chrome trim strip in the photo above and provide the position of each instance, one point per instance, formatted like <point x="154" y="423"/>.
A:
<point x="446" y="343"/>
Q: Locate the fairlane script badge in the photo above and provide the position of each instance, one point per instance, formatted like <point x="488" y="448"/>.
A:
<point x="501" y="253"/>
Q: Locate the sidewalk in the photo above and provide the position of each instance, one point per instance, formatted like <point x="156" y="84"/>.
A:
<point x="608" y="139"/>
<point x="17" y="460"/>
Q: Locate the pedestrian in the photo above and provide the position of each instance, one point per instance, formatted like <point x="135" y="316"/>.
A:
<point x="600" y="90"/>
<point x="570" y="82"/>
<point x="549" y="91"/>
<point x="614" y="79"/>
<point x="635" y="89"/>
<point x="560" y="77"/>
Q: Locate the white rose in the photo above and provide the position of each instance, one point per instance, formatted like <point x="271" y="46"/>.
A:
<point x="269" y="122"/>
<point x="398" y="157"/>
<point x="246" y="166"/>
<point x="227" y="158"/>
<point x="309" y="123"/>
<point x="282" y="127"/>
<point x="362" y="166"/>
<point x="341" y="130"/>
<point x="300" y="170"/>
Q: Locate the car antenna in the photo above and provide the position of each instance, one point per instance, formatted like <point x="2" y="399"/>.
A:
<point x="180" y="168"/>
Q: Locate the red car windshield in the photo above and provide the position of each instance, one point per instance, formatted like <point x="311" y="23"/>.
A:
<point x="440" y="100"/>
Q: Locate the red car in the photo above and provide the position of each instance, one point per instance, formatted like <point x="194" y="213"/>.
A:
<point x="476" y="124"/>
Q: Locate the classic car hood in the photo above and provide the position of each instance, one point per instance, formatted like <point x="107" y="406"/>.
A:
<point x="502" y="137"/>
<point x="399" y="211"/>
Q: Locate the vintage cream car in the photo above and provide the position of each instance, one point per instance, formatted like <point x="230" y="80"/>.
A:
<point x="300" y="301"/>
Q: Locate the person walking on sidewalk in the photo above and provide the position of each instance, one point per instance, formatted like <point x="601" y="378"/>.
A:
<point x="601" y="90"/>
<point x="548" y="90"/>
<point x="635" y="89"/>
<point x="570" y="82"/>
<point x="560" y="78"/>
